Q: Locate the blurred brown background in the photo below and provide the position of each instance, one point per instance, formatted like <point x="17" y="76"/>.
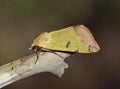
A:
<point x="22" y="20"/>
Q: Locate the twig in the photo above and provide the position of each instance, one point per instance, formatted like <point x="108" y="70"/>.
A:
<point x="24" y="67"/>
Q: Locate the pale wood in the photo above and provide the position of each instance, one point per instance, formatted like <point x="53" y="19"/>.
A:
<point x="27" y="66"/>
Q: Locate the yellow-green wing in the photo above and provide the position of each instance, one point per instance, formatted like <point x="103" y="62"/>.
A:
<point x="66" y="40"/>
<point x="71" y="39"/>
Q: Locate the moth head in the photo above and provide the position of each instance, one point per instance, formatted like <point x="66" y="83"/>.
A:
<point x="35" y="48"/>
<point x="40" y="41"/>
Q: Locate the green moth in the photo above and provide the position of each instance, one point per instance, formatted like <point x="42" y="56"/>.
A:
<point x="71" y="39"/>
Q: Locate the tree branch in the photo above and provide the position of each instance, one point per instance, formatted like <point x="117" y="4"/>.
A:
<point x="24" y="67"/>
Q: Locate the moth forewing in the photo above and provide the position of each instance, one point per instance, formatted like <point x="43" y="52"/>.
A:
<point x="71" y="39"/>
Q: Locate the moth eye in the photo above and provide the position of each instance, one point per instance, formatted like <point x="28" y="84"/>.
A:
<point x="68" y="44"/>
<point x="35" y="48"/>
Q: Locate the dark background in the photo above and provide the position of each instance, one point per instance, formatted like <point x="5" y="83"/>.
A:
<point x="22" y="20"/>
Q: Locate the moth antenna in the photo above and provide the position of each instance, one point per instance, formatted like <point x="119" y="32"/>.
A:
<point x="57" y="54"/>
<point x="54" y="53"/>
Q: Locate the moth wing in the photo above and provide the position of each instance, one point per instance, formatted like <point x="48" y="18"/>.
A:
<point x="70" y="40"/>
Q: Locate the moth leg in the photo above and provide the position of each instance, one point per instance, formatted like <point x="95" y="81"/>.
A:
<point x="36" y="52"/>
<point x="36" y="49"/>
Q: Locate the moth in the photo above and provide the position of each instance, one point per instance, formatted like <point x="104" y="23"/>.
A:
<point x="71" y="39"/>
